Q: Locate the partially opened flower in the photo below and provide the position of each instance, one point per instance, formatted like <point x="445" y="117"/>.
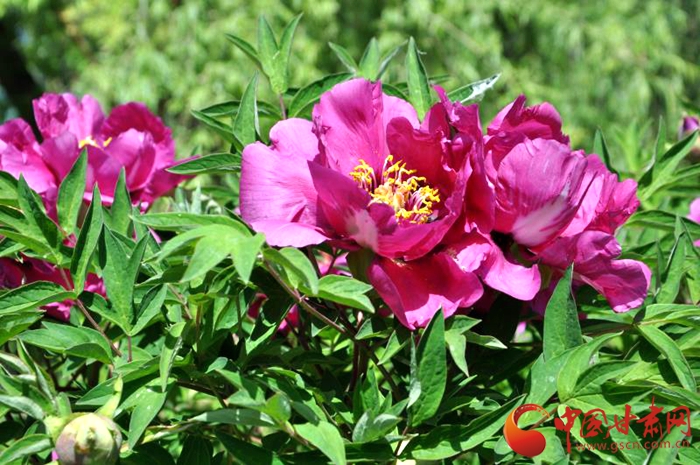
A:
<point x="365" y="174"/>
<point x="131" y="138"/>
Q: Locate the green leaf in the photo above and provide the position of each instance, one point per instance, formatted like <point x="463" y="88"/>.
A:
<point x="326" y="438"/>
<point x="431" y="371"/>
<point x="70" y="194"/>
<point x="309" y="94"/>
<point x="285" y="48"/>
<point x="70" y="340"/>
<point x="33" y="295"/>
<point x="417" y="78"/>
<point x="235" y="416"/>
<point x="457" y="345"/>
<point x="245" y="125"/>
<point x="344" y="56"/>
<point x="171" y="346"/>
<point x="151" y="305"/>
<point x="87" y="242"/>
<point x="296" y="267"/>
<point x="215" y="163"/>
<point x="246" y="48"/>
<point x="484" y="340"/>
<point x="345" y="291"/>
<point x="23" y="405"/>
<point x="244" y="252"/>
<point x="600" y="147"/>
<point x="279" y="408"/>
<point x="246" y="453"/>
<point x="446" y="441"/>
<point x="369" y="63"/>
<point x="270" y="57"/>
<point x="172" y="221"/>
<point x="387" y="59"/>
<point x="121" y="206"/>
<point x="147" y="402"/>
<point x="41" y="227"/>
<point x="562" y="330"/>
<point x="663" y="221"/>
<point x="668" y="348"/>
<point x="8" y="189"/>
<point x="665" y="166"/>
<point x="475" y="91"/>
<point x="32" y="444"/>
<point x="119" y="274"/>
<point x="195" y="449"/>
<point x="15" y="323"/>
<point x="673" y="274"/>
<point x="370" y="426"/>
<point x="593" y="378"/>
<point x="222" y="129"/>
<point x="208" y="253"/>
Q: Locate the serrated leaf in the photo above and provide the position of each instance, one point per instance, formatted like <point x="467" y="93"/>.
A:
<point x="417" y="79"/>
<point x="41" y="227"/>
<point x="70" y="194"/>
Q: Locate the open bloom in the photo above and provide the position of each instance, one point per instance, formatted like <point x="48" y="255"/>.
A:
<point x="555" y="207"/>
<point x="131" y="138"/>
<point x="366" y="174"/>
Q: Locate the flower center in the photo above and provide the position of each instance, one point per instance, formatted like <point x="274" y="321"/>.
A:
<point x="90" y="141"/>
<point x="410" y="196"/>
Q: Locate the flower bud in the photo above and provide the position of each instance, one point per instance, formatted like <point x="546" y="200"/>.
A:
<point x="690" y="124"/>
<point x="90" y="439"/>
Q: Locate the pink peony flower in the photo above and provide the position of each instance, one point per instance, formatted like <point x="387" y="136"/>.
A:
<point x="555" y="207"/>
<point x="366" y="174"/>
<point x="131" y="138"/>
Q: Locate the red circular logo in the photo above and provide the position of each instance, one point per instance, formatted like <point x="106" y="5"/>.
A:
<point x="529" y="443"/>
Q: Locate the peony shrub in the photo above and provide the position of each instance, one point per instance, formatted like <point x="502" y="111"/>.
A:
<point x="381" y="277"/>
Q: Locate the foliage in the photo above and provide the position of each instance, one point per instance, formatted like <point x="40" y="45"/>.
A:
<point x="191" y="376"/>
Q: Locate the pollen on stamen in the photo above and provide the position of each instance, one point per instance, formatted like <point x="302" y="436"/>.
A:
<point x="410" y="197"/>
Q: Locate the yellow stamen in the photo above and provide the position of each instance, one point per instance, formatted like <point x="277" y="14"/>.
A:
<point x="89" y="140"/>
<point x="410" y="197"/>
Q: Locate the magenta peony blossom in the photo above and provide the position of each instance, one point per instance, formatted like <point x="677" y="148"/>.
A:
<point x="690" y="124"/>
<point x="555" y="206"/>
<point x="131" y="138"/>
<point x="366" y="174"/>
<point x="695" y="215"/>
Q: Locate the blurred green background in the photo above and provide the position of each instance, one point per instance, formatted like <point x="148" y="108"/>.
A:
<point x="616" y="65"/>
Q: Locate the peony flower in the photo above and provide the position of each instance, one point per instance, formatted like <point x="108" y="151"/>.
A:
<point x="690" y="124"/>
<point x="367" y="174"/>
<point x="555" y="207"/>
<point x="131" y="138"/>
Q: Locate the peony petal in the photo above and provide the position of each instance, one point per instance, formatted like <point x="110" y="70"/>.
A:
<point x="538" y="191"/>
<point x="135" y="151"/>
<point x="417" y="289"/>
<point x="59" y="113"/>
<point x="350" y="125"/>
<point x="480" y="254"/>
<point x="695" y="210"/>
<point x="60" y="153"/>
<point x="286" y="234"/>
<point x="136" y="116"/>
<point x="277" y="188"/>
<point x="20" y="154"/>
